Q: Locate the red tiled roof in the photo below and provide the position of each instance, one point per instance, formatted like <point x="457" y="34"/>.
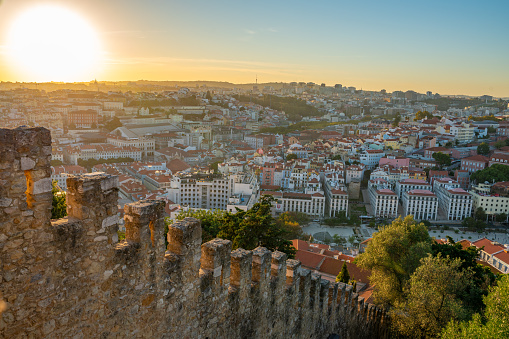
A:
<point x="478" y="157"/>
<point x="489" y="246"/>
<point x="464" y="243"/>
<point x="333" y="267"/>
<point x="177" y="165"/>
<point x="503" y="256"/>
<point x="310" y="259"/>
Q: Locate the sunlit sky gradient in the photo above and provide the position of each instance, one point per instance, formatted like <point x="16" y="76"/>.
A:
<point x="449" y="47"/>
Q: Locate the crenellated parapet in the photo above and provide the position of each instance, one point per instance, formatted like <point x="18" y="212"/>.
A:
<point x="72" y="277"/>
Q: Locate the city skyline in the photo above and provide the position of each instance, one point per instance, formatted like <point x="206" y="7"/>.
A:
<point x="451" y="48"/>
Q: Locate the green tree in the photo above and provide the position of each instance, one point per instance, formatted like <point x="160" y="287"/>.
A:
<point x="211" y="221"/>
<point x="392" y="255"/>
<point x="291" y="157"/>
<point x="343" y="275"/>
<point x="423" y="115"/>
<point x="287" y="222"/>
<point x="499" y="144"/>
<point x="58" y="205"/>
<point x="449" y="144"/>
<point x="483" y="149"/>
<point x="208" y="96"/>
<point x="431" y="299"/>
<point x="491" y="324"/>
<point x="255" y="227"/>
<point x="112" y="124"/>
<point x="473" y="225"/>
<point x="494" y="173"/>
<point x="480" y="214"/>
<point x="245" y="229"/>
<point x="442" y="159"/>
<point x="482" y="278"/>
<point x="502" y="217"/>
<point x="396" y="121"/>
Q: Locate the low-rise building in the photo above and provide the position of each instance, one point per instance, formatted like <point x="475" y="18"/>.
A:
<point x="488" y="249"/>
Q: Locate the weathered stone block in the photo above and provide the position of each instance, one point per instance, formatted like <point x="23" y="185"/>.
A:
<point x="27" y="163"/>
<point x="40" y="186"/>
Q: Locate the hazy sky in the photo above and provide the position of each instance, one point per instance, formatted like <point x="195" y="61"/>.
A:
<point x="447" y="46"/>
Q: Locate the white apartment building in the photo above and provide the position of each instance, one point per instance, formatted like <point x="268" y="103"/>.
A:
<point x="336" y="201"/>
<point x="421" y="203"/>
<point x="384" y="202"/>
<point x="455" y="202"/>
<point x="100" y="151"/>
<point x="311" y="204"/>
<point x="409" y="185"/>
<point x="463" y="133"/>
<point x="210" y="191"/>
<point x="371" y="158"/>
<point x="147" y="146"/>
<point x="354" y="173"/>
<point x="200" y="190"/>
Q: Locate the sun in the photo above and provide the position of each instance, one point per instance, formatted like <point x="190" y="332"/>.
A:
<point x="49" y="43"/>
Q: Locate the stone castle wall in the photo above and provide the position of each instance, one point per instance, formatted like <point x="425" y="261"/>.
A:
<point x="72" y="278"/>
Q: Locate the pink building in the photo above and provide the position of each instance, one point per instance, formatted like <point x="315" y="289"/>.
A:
<point x="394" y="161"/>
<point x="268" y="174"/>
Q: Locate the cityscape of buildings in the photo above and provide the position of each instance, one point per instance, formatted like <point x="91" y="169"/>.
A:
<point x="222" y="148"/>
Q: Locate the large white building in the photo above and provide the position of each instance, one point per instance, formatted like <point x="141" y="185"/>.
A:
<point x="209" y="191"/>
<point x="492" y="204"/>
<point x="421" y="203"/>
<point x="384" y="202"/>
<point x="147" y="146"/>
<point x="100" y="151"/>
<point x="409" y="185"/>
<point x="336" y="202"/>
<point x="455" y="202"/>
<point x="310" y="204"/>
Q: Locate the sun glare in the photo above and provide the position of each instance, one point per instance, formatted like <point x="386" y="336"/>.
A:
<point x="53" y="44"/>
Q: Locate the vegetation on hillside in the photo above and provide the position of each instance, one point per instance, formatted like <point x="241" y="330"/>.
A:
<point x="492" y="323"/>
<point x="294" y="108"/>
<point x="423" y="285"/>
<point x="444" y="103"/>
<point x="186" y="101"/>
